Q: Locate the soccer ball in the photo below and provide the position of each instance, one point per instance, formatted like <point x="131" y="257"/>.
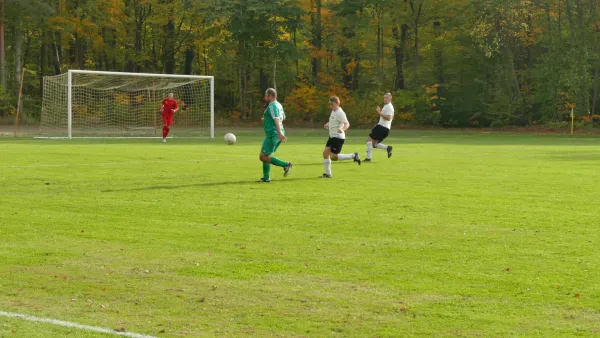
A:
<point x="229" y="138"/>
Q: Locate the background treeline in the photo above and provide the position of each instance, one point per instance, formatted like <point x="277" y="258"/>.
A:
<point x="448" y="62"/>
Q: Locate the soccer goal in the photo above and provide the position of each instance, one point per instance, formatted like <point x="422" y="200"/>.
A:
<point x="96" y="104"/>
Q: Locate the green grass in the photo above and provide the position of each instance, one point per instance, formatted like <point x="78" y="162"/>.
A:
<point x="458" y="234"/>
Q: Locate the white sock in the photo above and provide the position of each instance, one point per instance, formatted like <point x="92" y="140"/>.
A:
<point x="381" y="146"/>
<point x="345" y="157"/>
<point x="369" y="149"/>
<point x="327" y="165"/>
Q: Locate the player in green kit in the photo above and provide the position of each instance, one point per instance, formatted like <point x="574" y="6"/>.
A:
<point x="275" y="134"/>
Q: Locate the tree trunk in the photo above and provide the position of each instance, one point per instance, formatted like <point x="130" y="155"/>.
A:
<point x="416" y="13"/>
<point x="241" y="85"/>
<point x="189" y="61"/>
<point x="275" y="74"/>
<point x="264" y="81"/>
<point x="439" y="57"/>
<point x="137" y="45"/>
<point x="57" y="54"/>
<point x="379" y="48"/>
<point x="2" y="52"/>
<point x="400" y="45"/>
<point x="560" y="29"/>
<point x="169" y="53"/>
<point x="548" y="17"/>
<point x="81" y="49"/>
<point x="571" y="23"/>
<point x="295" y="40"/>
<point x="205" y="58"/>
<point x="317" y="42"/>
<point x="382" y="61"/>
<point x="356" y="72"/>
<point x="43" y="59"/>
<point x="595" y="96"/>
<point x="346" y="59"/>
<point x="513" y="74"/>
<point x="18" y="45"/>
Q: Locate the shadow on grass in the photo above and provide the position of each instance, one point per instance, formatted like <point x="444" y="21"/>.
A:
<point x="212" y="184"/>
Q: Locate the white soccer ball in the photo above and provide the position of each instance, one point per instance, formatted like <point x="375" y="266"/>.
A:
<point x="229" y="138"/>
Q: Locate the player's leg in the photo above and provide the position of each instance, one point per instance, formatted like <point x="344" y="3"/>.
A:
<point x="265" y="158"/>
<point x="327" y="159"/>
<point x="337" y="149"/>
<point x="383" y="134"/>
<point x="277" y="162"/>
<point x="165" y="130"/>
<point x="347" y="157"/>
<point x="370" y="143"/>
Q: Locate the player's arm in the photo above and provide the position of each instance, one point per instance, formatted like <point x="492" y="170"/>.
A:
<point x="278" y="123"/>
<point x="386" y="117"/>
<point x="344" y="127"/>
<point x="383" y="115"/>
<point x="282" y="137"/>
<point x="345" y="124"/>
<point x="176" y="108"/>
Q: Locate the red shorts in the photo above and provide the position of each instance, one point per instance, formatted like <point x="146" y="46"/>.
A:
<point x="167" y="118"/>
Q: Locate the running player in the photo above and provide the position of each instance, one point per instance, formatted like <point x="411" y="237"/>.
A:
<point x="168" y="110"/>
<point x="275" y="134"/>
<point x="382" y="129"/>
<point x="337" y="126"/>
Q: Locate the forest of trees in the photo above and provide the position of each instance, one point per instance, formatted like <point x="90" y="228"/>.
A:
<point x="454" y="63"/>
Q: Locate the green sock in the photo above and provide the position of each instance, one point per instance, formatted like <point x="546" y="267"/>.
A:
<point x="278" y="162"/>
<point x="266" y="171"/>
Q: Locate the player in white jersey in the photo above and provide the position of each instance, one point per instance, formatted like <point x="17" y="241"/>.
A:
<point x="337" y="126"/>
<point x="382" y="129"/>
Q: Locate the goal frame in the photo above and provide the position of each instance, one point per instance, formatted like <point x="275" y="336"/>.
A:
<point x="70" y="73"/>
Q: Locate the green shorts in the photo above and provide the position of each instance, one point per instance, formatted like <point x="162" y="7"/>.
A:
<point x="270" y="145"/>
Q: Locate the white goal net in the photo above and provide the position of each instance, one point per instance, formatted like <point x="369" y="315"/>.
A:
<point x="83" y="103"/>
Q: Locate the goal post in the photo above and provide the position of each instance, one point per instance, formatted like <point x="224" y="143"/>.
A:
<point x="98" y="104"/>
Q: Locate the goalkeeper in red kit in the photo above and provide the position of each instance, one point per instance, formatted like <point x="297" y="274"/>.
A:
<point x="168" y="109"/>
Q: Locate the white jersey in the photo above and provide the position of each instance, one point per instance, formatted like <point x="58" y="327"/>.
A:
<point x="336" y="121"/>
<point x="387" y="110"/>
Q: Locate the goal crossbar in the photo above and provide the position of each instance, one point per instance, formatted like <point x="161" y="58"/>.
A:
<point x="98" y="72"/>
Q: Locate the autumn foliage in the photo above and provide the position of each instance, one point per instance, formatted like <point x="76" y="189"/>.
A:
<point x="449" y="63"/>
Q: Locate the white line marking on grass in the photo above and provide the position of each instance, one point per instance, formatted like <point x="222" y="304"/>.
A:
<point x="71" y="325"/>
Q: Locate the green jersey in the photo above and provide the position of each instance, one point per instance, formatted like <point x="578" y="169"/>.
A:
<point x="274" y="110"/>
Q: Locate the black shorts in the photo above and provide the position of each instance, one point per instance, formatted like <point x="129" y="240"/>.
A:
<point x="335" y="144"/>
<point x="379" y="133"/>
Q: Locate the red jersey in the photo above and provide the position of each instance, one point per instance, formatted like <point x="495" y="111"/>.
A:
<point x="169" y="105"/>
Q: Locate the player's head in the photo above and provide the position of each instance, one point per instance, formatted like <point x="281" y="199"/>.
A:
<point x="334" y="102"/>
<point x="387" y="98"/>
<point x="171" y="96"/>
<point x="271" y="95"/>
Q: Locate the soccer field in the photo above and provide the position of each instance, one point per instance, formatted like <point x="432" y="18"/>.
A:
<point x="458" y="234"/>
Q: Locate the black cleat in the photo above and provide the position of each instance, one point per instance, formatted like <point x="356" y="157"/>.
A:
<point x="389" y="150"/>
<point x="286" y="169"/>
<point x="357" y="158"/>
<point x="367" y="160"/>
<point x="262" y="180"/>
<point x="325" y="176"/>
